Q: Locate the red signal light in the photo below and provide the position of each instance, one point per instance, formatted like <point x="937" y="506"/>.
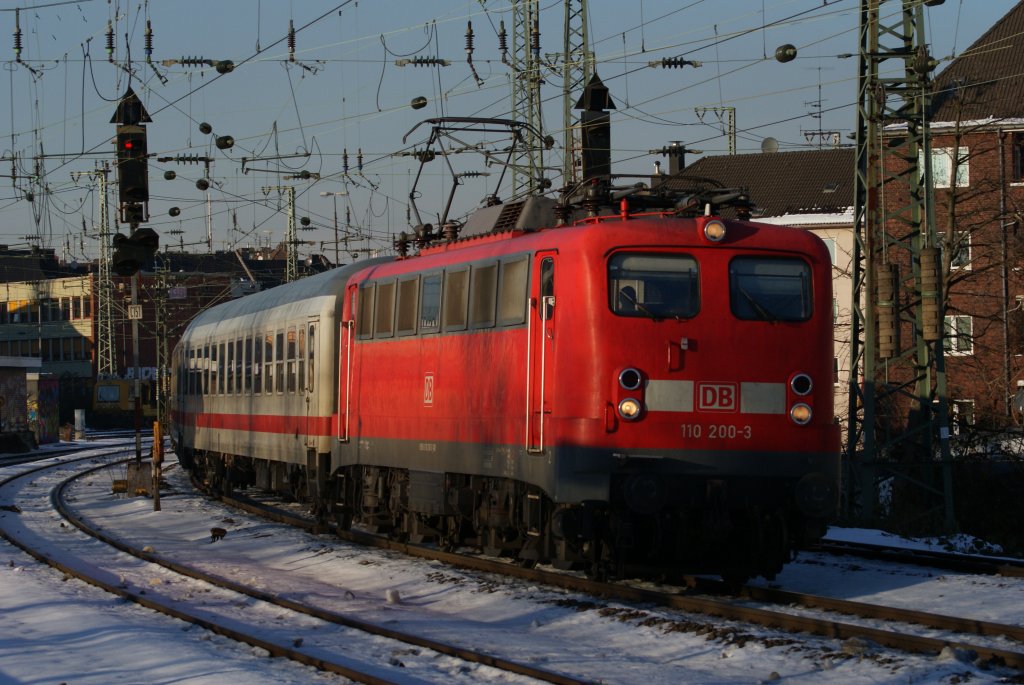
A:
<point x="128" y="145"/>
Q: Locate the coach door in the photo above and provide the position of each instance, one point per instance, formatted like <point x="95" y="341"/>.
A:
<point x="539" y="357"/>
<point x="308" y="382"/>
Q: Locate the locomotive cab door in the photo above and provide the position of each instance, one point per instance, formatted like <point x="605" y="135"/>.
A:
<point x="539" y="356"/>
<point x="346" y="332"/>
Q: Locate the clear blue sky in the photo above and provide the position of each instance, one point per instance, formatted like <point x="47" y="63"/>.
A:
<point x="343" y="91"/>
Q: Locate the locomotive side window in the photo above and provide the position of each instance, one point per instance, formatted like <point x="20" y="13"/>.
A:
<point x="770" y="289"/>
<point x="385" y="310"/>
<point x="279" y="358"/>
<point x="655" y="286"/>
<point x="483" y="295"/>
<point x="512" y="292"/>
<point x="430" y="304"/>
<point x="364" y="313"/>
<point x="456" y="299"/>
<point x="547" y="287"/>
<point x="407" y="306"/>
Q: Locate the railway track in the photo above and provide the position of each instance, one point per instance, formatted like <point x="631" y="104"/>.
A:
<point x="147" y="579"/>
<point x="904" y="630"/>
<point x="949" y="561"/>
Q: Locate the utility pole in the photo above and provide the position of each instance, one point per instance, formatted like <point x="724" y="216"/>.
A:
<point x="334" y="196"/>
<point x="898" y="413"/>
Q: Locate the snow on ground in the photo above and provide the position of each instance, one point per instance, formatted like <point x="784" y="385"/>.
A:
<point x="54" y="630"/>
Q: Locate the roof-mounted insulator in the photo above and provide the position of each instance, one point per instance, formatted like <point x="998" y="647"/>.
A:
<point x="291" y="41"/>
<point x="110" y="41"/>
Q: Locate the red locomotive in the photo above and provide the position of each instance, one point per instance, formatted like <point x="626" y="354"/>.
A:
<point x="631" y="392"/>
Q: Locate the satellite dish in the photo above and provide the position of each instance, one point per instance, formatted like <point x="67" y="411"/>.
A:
<point x="769" y="144"/>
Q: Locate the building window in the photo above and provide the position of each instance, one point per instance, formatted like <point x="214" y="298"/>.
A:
<point x="942" y="167"/>
<point x="1017" y="142"/>
<point x="961" y="257"/>
<point x="958" y="340"/>
<point x="963" y="414"/>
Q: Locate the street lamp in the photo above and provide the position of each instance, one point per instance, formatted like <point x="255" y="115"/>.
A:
<point x="334" y="195"/>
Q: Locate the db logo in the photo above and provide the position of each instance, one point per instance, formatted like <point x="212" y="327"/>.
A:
<point x="428" y="389"/>
<point x="716" y="396"/>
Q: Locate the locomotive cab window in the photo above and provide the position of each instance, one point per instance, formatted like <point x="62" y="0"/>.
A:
<point x="654" y="286"/>
<point x="770" y="289"/>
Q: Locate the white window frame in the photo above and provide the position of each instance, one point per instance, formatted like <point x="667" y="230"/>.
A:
<point x="942" y="167"/>
<point x="958" y="335"/>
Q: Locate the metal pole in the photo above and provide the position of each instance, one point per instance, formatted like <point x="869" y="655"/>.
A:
<point x="138" y="380"/>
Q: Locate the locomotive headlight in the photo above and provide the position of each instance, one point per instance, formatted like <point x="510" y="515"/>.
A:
<point x="629" y="409"/>
<point x="800" y="413"/>
<point x="714" y="231"/>
<point x="630" y="379"/>
<point x="801" y="384"/>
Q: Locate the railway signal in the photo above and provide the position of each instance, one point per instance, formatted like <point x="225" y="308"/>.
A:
<point x="132" y="163"/>
<point x="132" y="252"/>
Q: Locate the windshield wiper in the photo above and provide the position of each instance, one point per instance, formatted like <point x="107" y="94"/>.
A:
<point x="761" y="310"/>
<point x="639" y="306"/>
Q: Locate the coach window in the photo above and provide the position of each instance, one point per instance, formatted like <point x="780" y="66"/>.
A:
<point x="430" y="304"/>
<point x="512" y="292"/>
<point x="301" y="358"/>
<point x="364" y="314"/>
<point x="221" y="369"/>
<point x="212" y="390"/>
<point x="247" y="367"/>
<point x="268" y="363"/>
<point x="257" y="366"/>
<point x="229" y="367"/>
<point x="456" y="298"/>
<point x="654" y="286"/>
<point x="408" y="308"/>
<point x="292" y="344"/>
<point x="770" y="289"/>
<point x="279" y="359"/>
<point x="385" y="311"/>
<point x="482" y="296"/>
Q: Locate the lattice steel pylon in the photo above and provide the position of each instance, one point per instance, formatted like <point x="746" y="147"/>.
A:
<point x="291" y="271"/>
<point x="898" y="412"/>
<point x="528" y="164"/>
<point x="105" y="365"/>
<point x="577" y="68"/>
